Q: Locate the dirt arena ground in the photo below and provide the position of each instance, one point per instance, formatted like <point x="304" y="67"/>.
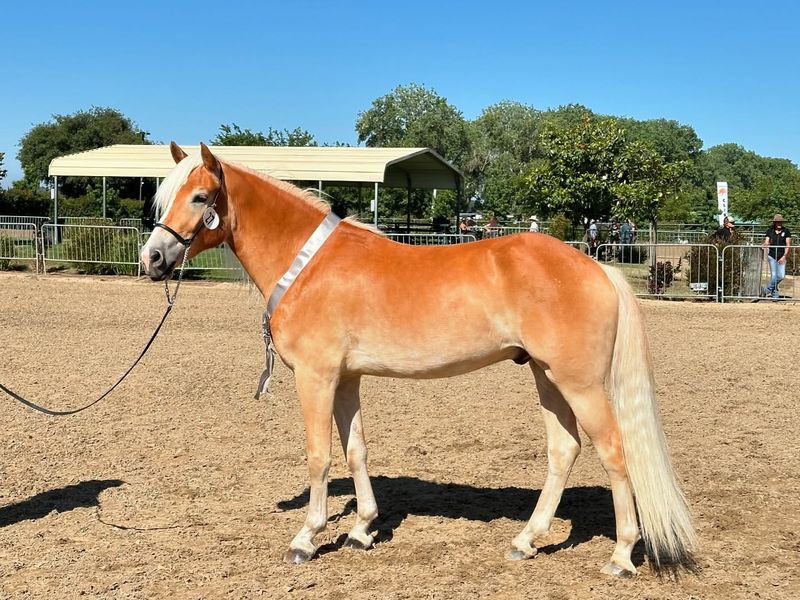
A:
<point x="180" y="485"/>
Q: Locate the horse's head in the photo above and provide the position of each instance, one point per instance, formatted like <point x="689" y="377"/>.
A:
<point x="194" y="206"/>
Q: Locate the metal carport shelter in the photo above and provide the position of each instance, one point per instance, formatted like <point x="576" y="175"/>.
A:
<point x="409" y="168"/>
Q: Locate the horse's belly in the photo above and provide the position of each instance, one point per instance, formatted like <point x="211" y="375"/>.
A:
<point x="421" y="363"/>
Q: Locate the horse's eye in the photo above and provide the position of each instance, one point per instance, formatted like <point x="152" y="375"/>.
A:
<point x="200" y="199"/>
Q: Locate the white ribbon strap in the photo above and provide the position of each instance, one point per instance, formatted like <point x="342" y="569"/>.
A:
<point x="307" y="252"/>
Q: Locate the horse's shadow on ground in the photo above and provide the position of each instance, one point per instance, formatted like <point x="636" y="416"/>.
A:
<point x="590" y="509"/>
<point x="80" y="495"/>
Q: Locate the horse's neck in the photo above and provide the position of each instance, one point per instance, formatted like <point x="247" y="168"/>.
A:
<point x="271" y="224"/>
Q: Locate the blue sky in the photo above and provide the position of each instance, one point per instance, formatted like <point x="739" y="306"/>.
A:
<point x="180" y="69"/>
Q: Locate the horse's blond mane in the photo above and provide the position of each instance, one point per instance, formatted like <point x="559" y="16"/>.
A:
<point x="307" y="195"/>
<point x="179" y="175"/>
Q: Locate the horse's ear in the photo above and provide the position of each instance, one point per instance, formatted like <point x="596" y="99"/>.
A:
<point x="177" y="152"/>
<point x="210" y="161"/>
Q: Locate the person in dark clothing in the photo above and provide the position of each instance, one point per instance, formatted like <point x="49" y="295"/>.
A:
<point x="148" y="214"/>
<point x="777" y="240"/>
<point x="727" y="230"/>
<point x="626" y="233"/>
<point x="440" y="224"/>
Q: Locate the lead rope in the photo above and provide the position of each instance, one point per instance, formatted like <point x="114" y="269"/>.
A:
<point x="269" y="348"/>
<point x="61" y="413"/>
<point x="171" y="301"/>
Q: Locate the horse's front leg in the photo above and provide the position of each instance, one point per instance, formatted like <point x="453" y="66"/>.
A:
<point x="347" y="410"/>
<point x="316" y="392"/>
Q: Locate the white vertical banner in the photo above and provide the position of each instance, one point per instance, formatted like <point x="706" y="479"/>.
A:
<point x="722" y="200"/>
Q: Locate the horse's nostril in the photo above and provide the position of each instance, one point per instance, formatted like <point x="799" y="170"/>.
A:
<point x="156" y="258"/>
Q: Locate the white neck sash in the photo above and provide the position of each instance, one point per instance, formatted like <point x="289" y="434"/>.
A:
<point x="307" y="252"/>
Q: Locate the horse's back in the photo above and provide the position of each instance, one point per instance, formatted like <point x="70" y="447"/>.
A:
<point x="411" y="310"/>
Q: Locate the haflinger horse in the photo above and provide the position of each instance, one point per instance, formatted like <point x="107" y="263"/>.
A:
<point x="347" y="312"/>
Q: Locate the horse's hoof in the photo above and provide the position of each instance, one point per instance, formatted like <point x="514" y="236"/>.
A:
<point x="355" y="544"/>
<point x="295" y="556"/>
<point x="517" y="554"/>
<point x="615" y="570"/>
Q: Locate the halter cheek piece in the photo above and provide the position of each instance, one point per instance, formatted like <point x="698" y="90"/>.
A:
<point x="188" y="241"/>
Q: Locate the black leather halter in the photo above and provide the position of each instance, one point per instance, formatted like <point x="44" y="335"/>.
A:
<point x="188" y="241"/>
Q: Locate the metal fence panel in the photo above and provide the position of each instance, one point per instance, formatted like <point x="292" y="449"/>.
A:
<point x="507" y="230"/>
<point x="484" y="232"/>
<point x="14" y="219"/>
<point x="137" y="223"/>
<point x="87" y="221"/>
<point x="431" y="239"/>
<point x="18" y="244"/>
<point x="684" y="271"/>
<point x="681" y="236"/>
<point x="745" y="274"/>
<point x="582" y="246"/>
<point x="217" y="263"/>
<point x="108" y="247"/>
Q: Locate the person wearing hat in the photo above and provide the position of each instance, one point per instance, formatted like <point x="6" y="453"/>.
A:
<point x="534" y="224"/>
<point x="777" y="240"/>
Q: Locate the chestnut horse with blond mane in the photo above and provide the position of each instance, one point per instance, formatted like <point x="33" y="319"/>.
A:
<point x="347" y="312"/>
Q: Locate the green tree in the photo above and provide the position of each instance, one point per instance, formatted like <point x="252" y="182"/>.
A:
<point x="510" y="128"/>
<point x="728" y="162"/>
<point x="414" y="116"/>
<point x="505" y="141"/>
<point x="20" y="199"/>
<point x="78" y="132"/>
<point x="592" y="171"/>
<point x="775" y="189"/>
<point x="233" y="135"/>
<point x="673" y="141"/>
<point x="566" y="117"/>
<point x="758" y="186"/>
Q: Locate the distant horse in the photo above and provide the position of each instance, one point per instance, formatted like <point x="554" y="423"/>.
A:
<point x="365" y="305"/>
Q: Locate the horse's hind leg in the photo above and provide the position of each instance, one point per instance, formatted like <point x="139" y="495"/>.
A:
<point x="593" y="411"/>
<point x="563" y="447"/>
<point x="347" y="410"/>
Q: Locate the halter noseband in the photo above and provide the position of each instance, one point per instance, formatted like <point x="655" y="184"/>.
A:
<point x="188" y="241"/>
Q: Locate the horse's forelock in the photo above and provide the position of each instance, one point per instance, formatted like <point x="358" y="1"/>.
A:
<point x="168" y="188"/>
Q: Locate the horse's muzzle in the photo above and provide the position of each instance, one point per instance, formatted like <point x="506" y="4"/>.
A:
<point x="155" y="264"/>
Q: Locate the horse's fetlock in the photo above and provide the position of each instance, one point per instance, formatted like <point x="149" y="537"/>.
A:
<point x="369" y="514"/>
<point x="629" y="534"/>
<point x="317" y="524"/>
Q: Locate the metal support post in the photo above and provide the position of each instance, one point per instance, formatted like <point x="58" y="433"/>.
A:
<point x="375" y="205"/>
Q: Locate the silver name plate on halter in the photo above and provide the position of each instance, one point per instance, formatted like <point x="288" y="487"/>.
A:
<point x="210" y="218"/>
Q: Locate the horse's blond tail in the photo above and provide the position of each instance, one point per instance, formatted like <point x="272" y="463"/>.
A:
<point x="663" y="512"/>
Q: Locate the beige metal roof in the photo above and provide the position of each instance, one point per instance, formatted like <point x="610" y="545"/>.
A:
<point x="391" y="167"/>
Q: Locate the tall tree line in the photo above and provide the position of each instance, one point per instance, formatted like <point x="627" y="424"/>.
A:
<point x="517" y="160"/>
